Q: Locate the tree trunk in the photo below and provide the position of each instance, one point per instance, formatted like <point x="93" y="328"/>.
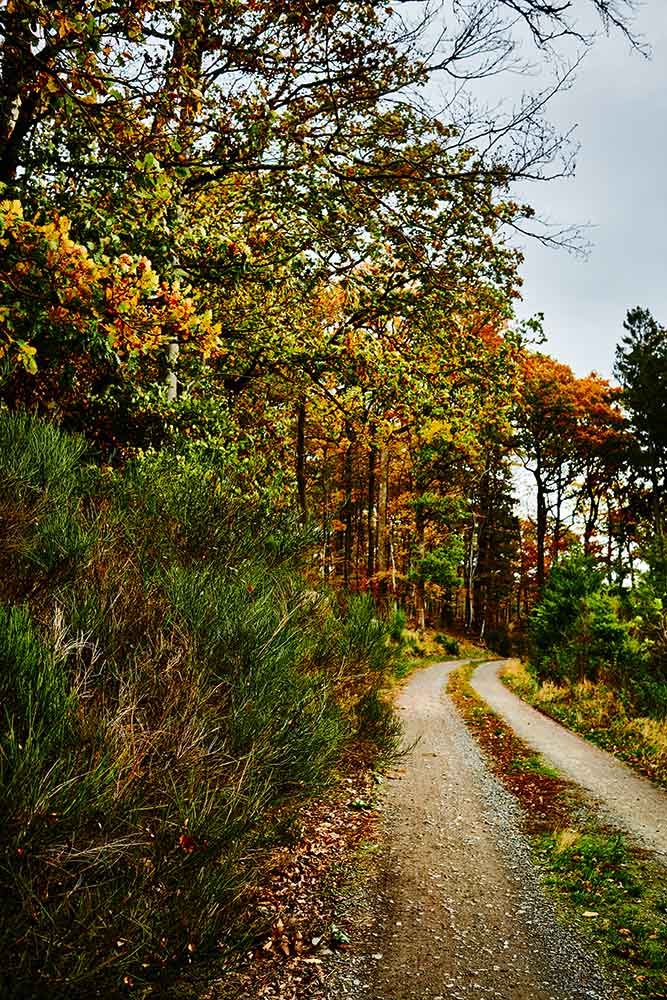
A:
<point x="420" y="603"/>
<point x="591" y="521"/>
<point x="557" y="526"/>
<point x="392" y="563"/>
<point x="20" y="92"/>
<point x="326" y="529"/>
<point x="610" y="542"/>
<point x="172" y="364"/>
<point x="347" y="505"/>
<point x="301" y="458"/>
<point x="371" y="519"/>
<point x="541" y="531"/>
<point x="381" y="540"/>
<point x="470" y="572"/>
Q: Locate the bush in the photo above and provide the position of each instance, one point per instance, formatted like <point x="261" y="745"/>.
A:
<point x="451" y="646"/>
<point x="168" y="700"/>
<point x="396" y="626"/>
<point x="575" y="630"/>
<point x="364" y="637"/>
<point x="650" y="697"/>
<point x="648" y="609"/>
<point x="377" y="722"/>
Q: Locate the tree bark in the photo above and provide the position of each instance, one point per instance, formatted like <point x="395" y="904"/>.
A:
<point x="557" y="526"/>
<point x="591" y="521"/>
<point x="301" y="458"/>
<point x="172" y="365"/>
<point x="381" y="539"/>
<point x="347" y="504"/>
<point x="371" y="520"/>
<point x="20" y="96"/>
<point x="471" y="562"/>
<point x="420" y="601"/>
<point x="541" y="531"/>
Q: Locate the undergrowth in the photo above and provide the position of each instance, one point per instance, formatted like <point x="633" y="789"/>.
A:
<point x="421" y="648"/>
<point x="600" y="713"/>
<point x="171" y="689"/>
<point x="617" y="896"/>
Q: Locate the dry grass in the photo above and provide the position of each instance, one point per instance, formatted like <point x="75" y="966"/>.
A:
<point x="566" y="839"/>
<point x="651" y="733"/>
<point x="599" y="713"/>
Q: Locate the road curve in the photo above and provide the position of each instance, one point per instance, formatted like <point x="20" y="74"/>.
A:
<point x="456" y="911"/>
<point x="626" y="800"/>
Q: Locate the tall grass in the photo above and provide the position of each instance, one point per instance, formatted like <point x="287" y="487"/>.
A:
<point x="170" y="685"/>
<point x="42" y="482"/>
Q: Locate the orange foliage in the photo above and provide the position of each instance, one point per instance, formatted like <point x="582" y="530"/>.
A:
<point x="81" y="300"/>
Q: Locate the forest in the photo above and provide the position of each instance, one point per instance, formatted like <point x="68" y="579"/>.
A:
<point x="263" y="399"/>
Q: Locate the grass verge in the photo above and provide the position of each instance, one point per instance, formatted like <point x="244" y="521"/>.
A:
<point x="600" y="715"/>
<point x="616" y="895"/>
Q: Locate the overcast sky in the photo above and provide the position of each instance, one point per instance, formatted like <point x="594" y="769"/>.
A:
<point x="619" y="103"/>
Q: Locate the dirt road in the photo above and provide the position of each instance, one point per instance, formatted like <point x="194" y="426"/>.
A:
<point x="457" y="912"/>
<point x="623" y="798"/>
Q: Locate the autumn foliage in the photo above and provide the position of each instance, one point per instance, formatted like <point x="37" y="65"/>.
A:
<point x="262" y="395"/>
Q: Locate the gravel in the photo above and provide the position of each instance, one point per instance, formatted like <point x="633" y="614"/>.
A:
<point x="456" y="911"/>
<point x="622" y="798"/>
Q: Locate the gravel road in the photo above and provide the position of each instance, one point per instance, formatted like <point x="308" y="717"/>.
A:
<point x="623" y="798"/>
<point x="457" y="912"/>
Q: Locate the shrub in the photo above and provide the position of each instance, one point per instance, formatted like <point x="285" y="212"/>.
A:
<point x="168" y="700"/>
<point x="396" y="626"/>
<point x="575" y="629"/>
<point x="363" y="640"/>
<point x="377" y="722"/>
<point x="451" y="646"/>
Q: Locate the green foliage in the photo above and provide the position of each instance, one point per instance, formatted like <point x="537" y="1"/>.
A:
<point x="376" y="721"/>
<point x="451" y="646"/>
<point x="364" y="636"/>
<point x="396" y="627"/>
<point x="641" y="368"/>
<point x="646" y="604"/>
<point x="575" y="630"/>
<point x="43" y="487"/>
<point x="39" y="466"/>
<point x="441" y="565"/>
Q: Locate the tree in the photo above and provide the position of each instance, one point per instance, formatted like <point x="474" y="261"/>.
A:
<point x="213" y="86"/>
<point x="546" y="420"/>
<point x="320" y="267"/>
<point x="603" y="445"/>
<point x="575" y="629"/>
<point x="571" y="435"/>
<point x="641" y="368"/>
